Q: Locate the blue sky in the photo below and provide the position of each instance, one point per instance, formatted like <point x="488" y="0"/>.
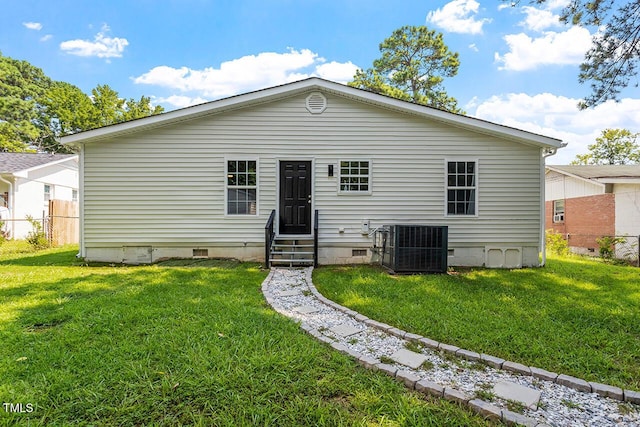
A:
<point x="519" y="65"/>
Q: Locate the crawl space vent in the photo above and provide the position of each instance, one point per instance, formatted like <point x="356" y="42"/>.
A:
<point x="316" y="103"/>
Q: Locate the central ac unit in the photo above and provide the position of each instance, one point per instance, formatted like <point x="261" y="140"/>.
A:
<point x="414" y="248"/>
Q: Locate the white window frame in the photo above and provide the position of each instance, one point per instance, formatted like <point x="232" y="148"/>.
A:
<point x="475" y="187"/>
<point x="228" y="187"/>
<point x="74" y="195"/>
<point x="48" y="195"/>
<point x="369" y="175"/>
<point x="558" y="216"/>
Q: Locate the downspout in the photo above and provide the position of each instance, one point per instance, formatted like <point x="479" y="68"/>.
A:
<point x="82" y="249"/>
<point x="12" y="198"/>
<point x="546" y="152"/>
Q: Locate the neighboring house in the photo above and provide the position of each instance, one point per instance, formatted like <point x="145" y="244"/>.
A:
<point x="585" y="202"/>
<point x="204" y="180"/>
<point x="29" y="180"/>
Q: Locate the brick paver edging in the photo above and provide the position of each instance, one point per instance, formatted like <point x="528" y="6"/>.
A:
<point x="605" y="390"/>
<point x="427" y="387"/>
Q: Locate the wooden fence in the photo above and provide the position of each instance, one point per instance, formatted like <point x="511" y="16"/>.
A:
<point x="63" y="225"/>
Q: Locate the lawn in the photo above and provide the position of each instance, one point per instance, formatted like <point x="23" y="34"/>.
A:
<point x="181" y="343"/>
<point x="575" y="316"/>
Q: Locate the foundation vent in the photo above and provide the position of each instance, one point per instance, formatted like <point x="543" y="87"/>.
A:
<point x="316" y="103"/>
<point x="201" y="253"/>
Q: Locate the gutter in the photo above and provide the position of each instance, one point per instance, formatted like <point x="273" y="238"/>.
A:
<point x="12" y="210"/>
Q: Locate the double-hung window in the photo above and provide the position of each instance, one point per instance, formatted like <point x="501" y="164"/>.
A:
<point x="242" y="187"/>
<point x="462" y="187"/>
<point x="355" y="176"/>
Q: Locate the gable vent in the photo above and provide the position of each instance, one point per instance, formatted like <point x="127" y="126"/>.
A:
<point x="316" y="103"/>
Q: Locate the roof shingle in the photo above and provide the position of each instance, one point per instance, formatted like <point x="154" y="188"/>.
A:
<point x="14" y="162"/>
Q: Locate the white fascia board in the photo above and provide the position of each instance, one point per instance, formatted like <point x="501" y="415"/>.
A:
<point x="23" y="173"/>
<point x="621" y="180"/>
<point x="314" y="83"/>
<point x="591" y="181"/>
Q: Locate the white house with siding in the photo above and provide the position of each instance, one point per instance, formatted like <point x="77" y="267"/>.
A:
<point x="28" y="181"/>
<point x="204" y="180"/>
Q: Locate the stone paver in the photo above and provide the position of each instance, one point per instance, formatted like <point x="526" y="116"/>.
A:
<point x="607" y="390"/>
<point x="486" y="409"/>
<point x="493" y="361"/>
<point x="543" y="374"/>
<point x="516" y="367"/>
<point x="345" y="330"/>
<point x="409" y="358"/>
<point x="540" y="392"/>
<point x="574" y="383"/>
<point x="456" y="395"/>
<point x="430" y="387"/>
<point x="632" y="396"/>
<point x="289" y="293"/>
<point x="518" y="393"/>
<point x="307" y="309"/>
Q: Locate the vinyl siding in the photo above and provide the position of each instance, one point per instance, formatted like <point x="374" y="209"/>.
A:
<point x="167" y="186"/>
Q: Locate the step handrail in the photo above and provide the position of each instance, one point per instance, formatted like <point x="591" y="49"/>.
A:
<point x="269" y="237"/>
<point x="315" y="239"/>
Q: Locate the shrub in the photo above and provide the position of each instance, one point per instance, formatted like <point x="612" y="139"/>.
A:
<point x="556" y="244"/>
<point x="607" y="246"/>
<point x="37" y="237"/>
<point x="3" y="234"/>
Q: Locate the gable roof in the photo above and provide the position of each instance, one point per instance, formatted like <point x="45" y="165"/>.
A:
<point x="308" y="85"/>
<point x="17" y="162"/>
<point x="605" y="174"/>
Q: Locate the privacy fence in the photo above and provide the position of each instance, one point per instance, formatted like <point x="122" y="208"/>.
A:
<point x="61" y="225"/>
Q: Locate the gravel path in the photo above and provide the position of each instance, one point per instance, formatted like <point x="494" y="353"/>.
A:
<point x="465" y="380"/>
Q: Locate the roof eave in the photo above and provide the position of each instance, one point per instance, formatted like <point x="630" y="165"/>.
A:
<point x="572" y="175"/>
<point x="314" y="83"/>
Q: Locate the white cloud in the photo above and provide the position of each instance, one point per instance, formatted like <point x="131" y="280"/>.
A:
<point x="101" y="46"/>
<point x="180" y="101"/>
<point x="46" y="37"/>
<point x="248" y="73"/>
<point x="539" y="19"/>
<point x="458" y="16"/>
<point x="473" y="47"/>
<point x="552" y="48"/>
<point x="33" y="25"/>
<point x="558" y="117"/>
<point x="341" y="72"/>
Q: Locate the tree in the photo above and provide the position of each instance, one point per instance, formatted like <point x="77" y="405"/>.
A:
<point x="21" y="86"/>
<point x="615" y="55"/>
<point x="414" y="63"/>
<point x="109" y="106"/>
<point x="65" y="110"/>
<point x="613" y="147"/>
<point x="142" y="108"/>
<point x="36" y="111"/>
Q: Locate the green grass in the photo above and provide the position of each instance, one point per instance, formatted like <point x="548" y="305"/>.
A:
<point x="575" y="316"/>
<point x="181" y="343"/>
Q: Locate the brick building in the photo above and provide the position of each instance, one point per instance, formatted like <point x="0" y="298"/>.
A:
<point x="587" y="202"/>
